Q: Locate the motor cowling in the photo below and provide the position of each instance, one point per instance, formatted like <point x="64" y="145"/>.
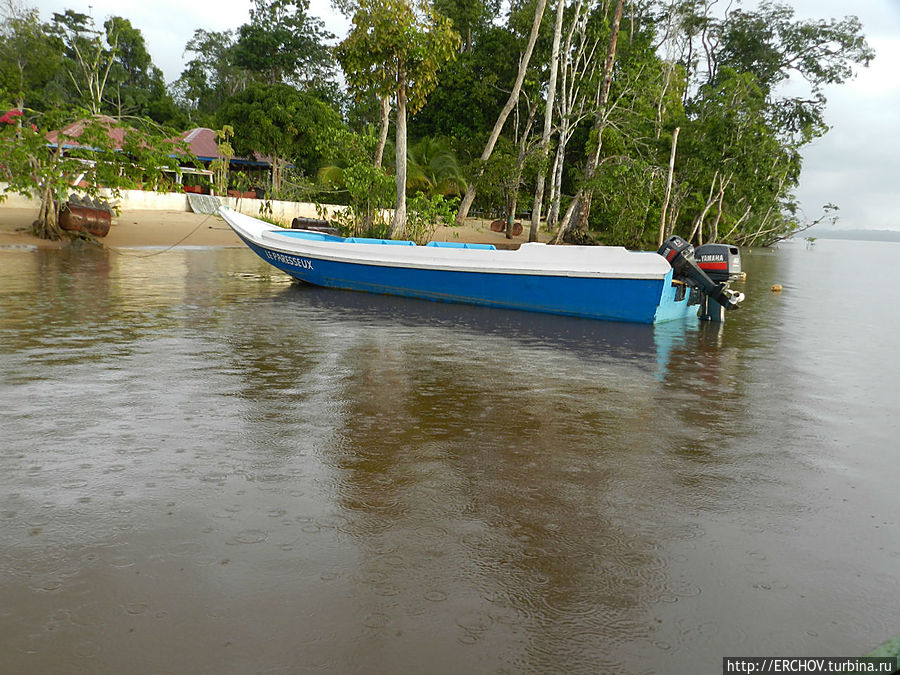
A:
<point x="721" y="262"/>
<point x="682" y="257"/>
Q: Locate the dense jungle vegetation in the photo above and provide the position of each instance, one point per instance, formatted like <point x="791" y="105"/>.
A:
<point x="605" y="120"/>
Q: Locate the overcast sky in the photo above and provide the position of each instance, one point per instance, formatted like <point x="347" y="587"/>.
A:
<point x="856" y="165"/>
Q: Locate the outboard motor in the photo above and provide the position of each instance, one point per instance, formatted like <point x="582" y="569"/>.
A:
<point x="708" y="269"/>
<point x="721" y="262"/>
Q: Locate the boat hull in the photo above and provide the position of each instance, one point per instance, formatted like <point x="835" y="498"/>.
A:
<point x="640" y="300"/>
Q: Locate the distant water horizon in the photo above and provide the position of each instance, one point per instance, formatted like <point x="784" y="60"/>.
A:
<point x="852" y="234"/>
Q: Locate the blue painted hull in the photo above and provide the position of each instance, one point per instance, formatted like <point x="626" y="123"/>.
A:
<point x="615" y="299"/>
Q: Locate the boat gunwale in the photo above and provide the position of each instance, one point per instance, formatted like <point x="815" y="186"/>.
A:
<point x="442" y="259"/>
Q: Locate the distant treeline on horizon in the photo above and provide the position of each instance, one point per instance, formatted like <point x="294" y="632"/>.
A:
<point x="862" y="235"/>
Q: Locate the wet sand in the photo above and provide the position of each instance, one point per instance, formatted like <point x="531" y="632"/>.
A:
<point x="179" y="228"/>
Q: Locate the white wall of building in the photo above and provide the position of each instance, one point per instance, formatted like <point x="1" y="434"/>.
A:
<point x="139" y="200"/>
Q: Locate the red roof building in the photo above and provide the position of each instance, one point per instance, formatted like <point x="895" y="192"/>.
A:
<point x="202" y="143"/>
<point x="115" y="131"/>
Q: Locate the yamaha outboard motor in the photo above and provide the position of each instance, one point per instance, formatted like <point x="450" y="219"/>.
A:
<point x="721" y="262"/>
<point x="708" y="269"/>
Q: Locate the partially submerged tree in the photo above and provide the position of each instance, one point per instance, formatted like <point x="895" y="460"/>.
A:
<point x="396" y="48"/>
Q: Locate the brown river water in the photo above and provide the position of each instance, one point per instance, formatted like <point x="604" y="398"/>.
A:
<point x="207" y="469"/>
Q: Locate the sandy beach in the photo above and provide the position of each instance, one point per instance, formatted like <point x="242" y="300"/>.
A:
<point x="154" y="228"/>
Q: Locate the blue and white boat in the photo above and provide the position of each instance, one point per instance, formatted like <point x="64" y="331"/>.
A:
<point x="597" y="282"/>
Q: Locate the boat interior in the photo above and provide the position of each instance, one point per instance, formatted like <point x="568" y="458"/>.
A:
<point x="322" y="236"/>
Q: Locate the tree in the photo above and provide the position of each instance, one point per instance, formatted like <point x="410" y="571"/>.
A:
<point x="474" y="88"/>
<point x="211" y="77"/>
<point x="581" y="205"/>
<point x="89" y="56"/>
<point x="578" y="68"/>
<point x="434" y="168"/>
<point x="282" y="123"/>
<point x="396" y="49"/>
<point x="283" y="43"/>
<point x="468" y="16"/>
<point x="469" y="197"/>
<point x="89" y="153"/>
<point x="368" y="188"/>
<point x="548" y="120"/>
<point x="135" y="86"/>
<point x="30" y="59"/>
<point x="740" y="160"/>
<point x="222" y="163"/>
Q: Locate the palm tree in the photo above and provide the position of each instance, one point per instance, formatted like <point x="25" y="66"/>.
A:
<point x="434" y="168"/>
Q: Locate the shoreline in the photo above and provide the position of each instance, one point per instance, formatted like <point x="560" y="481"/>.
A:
<point x="154" y="228"/>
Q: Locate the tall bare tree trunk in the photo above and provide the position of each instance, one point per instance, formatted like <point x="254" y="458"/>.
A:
<point x="517" y="176"/>
<point x="556" y="182"/>
<point x="583" y="197"/>
<point x="698" y="220"/>
<point x="398" y="225"/>
<point x="504" y="113"/>
<point x="383" y="129"/>
<point x="368" y="216"/>
<point x="548" y="122"/>
<point x="715" y="226"/>
<point x="565" y="109"/>
<point x="665" y="204"/>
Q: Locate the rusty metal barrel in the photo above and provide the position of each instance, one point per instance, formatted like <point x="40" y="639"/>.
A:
<point x="76" y="216"/>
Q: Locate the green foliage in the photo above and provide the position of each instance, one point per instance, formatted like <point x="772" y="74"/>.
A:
<point x="396" y="49"/>
<point x="770" y="44"/>
<point x="210" y="77"/>
<point x="135" y="87"/>
<point x="283" y="43"/>
<point x="395" y="45"/>
<point x="627" y="217"/>
<point x="472" y="91"/>
<point x="72" y="63"/>
<point x="238" y="180"/>
<point x="426" y="214"/>
<point x="354" y="179"/>
<point x="499" y="179"/>
<point x="30" y="60"/>
<point x="278" y="121"/>
<point x="220" y="165"/>
<point x="737" y="163"/>
<point x="296" y="186"/>
<point x="34" y="168"/>
<point x="87" y="56"/>
<point x="738" y="157"/>
<point x="469" y="17"/>
<point x="434" y="168"/>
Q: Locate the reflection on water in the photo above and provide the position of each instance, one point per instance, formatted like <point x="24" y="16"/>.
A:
<point x="273" y="478"/>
